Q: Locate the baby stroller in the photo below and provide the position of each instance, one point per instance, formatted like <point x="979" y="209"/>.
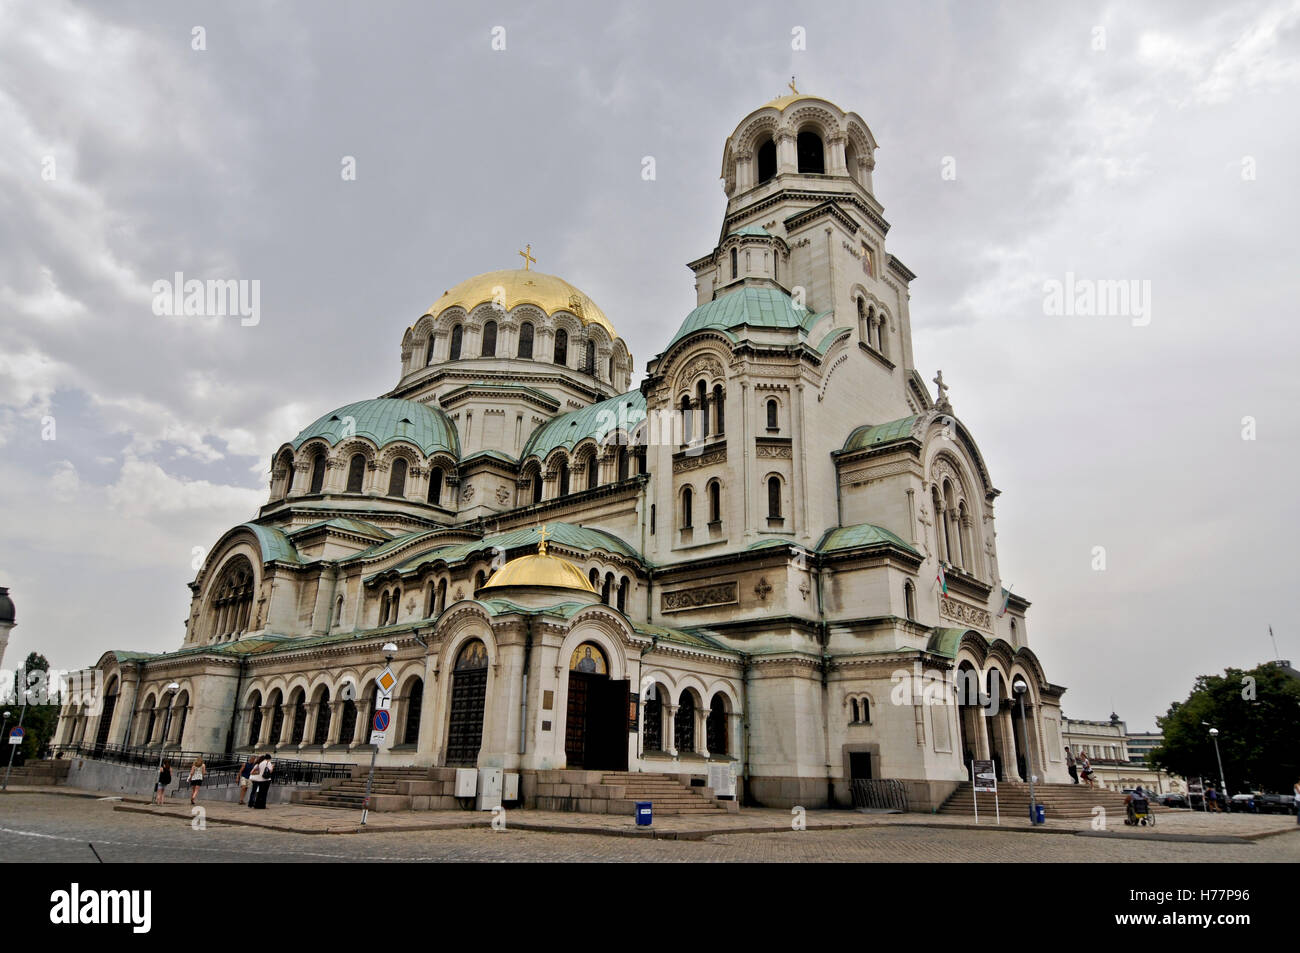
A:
<point x="1139" y="812"/>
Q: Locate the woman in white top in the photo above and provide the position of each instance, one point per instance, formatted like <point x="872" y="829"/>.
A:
<point x="197" y="770"/>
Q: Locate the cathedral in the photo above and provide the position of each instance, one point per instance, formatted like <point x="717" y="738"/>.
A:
<point x="776" y="556"/>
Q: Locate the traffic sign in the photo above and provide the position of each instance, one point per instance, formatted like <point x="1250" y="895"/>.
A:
<point x="381" y="720"/>
<point x="16" y="736"/>
<point x="384" y="702"/>
<point x="376" y="738"/>
<point x="386" y="680"/>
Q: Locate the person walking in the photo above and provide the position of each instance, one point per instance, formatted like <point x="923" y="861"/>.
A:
<point x="197" y="770"/>
<point x="244" y="782"/>
<point x="160" y="786"/>
<point x="268" y="769"/>
<point x="1085" y="769"/>
<point x="1070" y="765"/>
<point x="256" y="776"/>
<point x="1297" y="802"/>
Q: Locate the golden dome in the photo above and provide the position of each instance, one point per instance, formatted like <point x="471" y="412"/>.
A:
<point x="521" y="286"/>
<point x="539" y="569"/>
<point x="781" y="102"/>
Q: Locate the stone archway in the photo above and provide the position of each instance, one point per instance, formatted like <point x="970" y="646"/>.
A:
<point x="596" y="718"/>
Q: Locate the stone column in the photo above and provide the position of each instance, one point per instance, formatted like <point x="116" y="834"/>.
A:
<point x="787" y="155"/>
<point x="669" y="729"/>
<point x="702" y="731"/>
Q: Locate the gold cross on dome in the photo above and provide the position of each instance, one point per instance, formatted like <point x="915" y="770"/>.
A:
<point x="541" y="545"/>
<point x="792" y="89"/>
<point x="527" y="256"/>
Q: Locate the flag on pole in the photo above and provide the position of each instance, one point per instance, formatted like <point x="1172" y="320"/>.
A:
<point x="943" y="580"/>
<point x="1006" y="600"/>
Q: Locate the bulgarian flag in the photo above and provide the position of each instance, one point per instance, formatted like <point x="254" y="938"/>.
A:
<point x="942" y="580"/>
<point x="1006" y="600"/>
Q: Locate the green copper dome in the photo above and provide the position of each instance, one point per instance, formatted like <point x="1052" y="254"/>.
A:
<point x="386" y="420"/>
<point x="753" y="306"/>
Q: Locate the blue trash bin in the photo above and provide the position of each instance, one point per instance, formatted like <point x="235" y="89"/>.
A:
<point x="644" y="813"/>
<point x="1039" y="814"/>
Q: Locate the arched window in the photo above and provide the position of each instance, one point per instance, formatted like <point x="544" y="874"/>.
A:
<point x="715" y="502"/>
<point x="607" y="588"/>
<point x="766" y="161"/>
<point x="864" y="328"/>
<point x="1013" y="631"/>
<point x="715" y="726"/>
<point x="428" y="351"/>
<point x="864" y="710"/>
<point x="811" y="158"/>
<point x="383" y="609"/>
<point x="684" y="724"/>
<point x="622" y="594"/>
<point x="480" y="578"/>
<point x="397" y="479"/>
<point x="254" y="718"/>
<point x="468" y="693"/>
<point x="688" y="423"/>
<point x="561" y="346"/>
<point x="490" y="339"/>
<point x="593" y="471"/>
<point x="774" y="498"/>
<point x="686" y="508"/>
<point x="414" y="706"/>
<point x="771" y="415"/>
<point x="594" y="577"/>
<point x="853" y="710"/>
<point x="611" y="370"/>
<point x="881" y="328"/>
<point x="299" y="717"/>
<point x="322" y="732"/>
<point x="719" y="407"/>
<point x="562" y="479"/>
<point x="949" y="513"/>
<point x="939" y="534"/>
<point x="526" y="339"/>
<point x="909" y="600"/>
<point x="652" y="729"/>
<point x="537" y="486"/>
<point x="442" y="595"/>
<point x="702" y="401"/>
<point x="356" y="472"/>
<point x="622" y="463"/>
<point x="589" y="358"/>
<point x="231" y="602"/>
<point x="338" y="610"/>
<point x="348" y="717"/>
<point x="457" y="336"/>
<point x="317" y="473"/>
<point x="963" y="536"/>
<point x="735" y="270"/>
<point x="277" y="718"/>
<point x="435" y="486"/>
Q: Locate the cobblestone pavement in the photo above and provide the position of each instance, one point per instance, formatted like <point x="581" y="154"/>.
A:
<point x="42" y="827"/>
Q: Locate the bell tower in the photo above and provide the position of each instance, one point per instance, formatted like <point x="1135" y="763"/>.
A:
<point x="802" y="216"/>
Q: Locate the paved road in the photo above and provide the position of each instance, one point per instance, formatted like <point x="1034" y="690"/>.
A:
<point x="36" y="828"/>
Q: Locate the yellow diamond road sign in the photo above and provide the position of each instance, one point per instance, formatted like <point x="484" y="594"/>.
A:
<point x="386" y="680"/>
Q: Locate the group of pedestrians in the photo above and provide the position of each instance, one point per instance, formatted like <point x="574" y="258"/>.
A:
<point x="1080" y="765"/>
<point x="254" y="780"/>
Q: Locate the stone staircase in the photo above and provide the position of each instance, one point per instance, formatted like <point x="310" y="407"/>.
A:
<point x="39" y="773"/>
<point x="1061" y="801"/>
<point x="667" y="793"/>
<point x="393" y="789"/>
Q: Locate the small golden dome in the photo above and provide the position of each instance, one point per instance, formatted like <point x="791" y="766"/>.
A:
<point x="781" y="102"/>
<point x="539" y="569"/>
<point x="521" y="286"/>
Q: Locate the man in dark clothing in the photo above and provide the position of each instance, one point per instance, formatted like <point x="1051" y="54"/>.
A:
<point x="1071" y="766"/>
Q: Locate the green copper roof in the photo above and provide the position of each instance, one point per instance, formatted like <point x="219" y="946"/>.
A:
<point x="597" y="421"/>
<point x="752" y="230"/>
<point x="863" y="534"/>
<point x="764" y="543"/>
<point x="564" y="610"/>
<point x="347" y="525"/>
<point x="491" y="455"/>
<point x="870" y="435"/>
<point x="945" y="641"/>
<point x="753" y="306"/>
<point x="274" y="544"/>
<point x="694" y="638"/>
<point x="570" y="535"/>
<point x="385" y="420"/>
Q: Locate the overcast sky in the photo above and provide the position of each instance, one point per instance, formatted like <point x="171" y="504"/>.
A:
<point x="1154" y="143"/>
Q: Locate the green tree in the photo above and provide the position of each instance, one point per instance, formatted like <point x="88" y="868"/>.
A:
<point x="41" y="718"/>
<point x="1257" y="713"/>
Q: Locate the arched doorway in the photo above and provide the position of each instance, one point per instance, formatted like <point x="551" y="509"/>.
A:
<point x="106" y="716"/>
<point x="468" y="695"/>
<point x="596" y="719"/>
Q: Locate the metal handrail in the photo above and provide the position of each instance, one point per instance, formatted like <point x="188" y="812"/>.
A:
<point x="222" y="769"/>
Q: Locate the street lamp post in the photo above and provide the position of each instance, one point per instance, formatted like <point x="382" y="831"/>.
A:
<point x="389" y="651"/>
<point x="13" y="748"/>
<point x="172" y="689"/>
<point x="1020" y="689"/>
<point x="1223" y="781"/>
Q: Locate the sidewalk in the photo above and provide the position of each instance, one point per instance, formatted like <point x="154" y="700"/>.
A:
<point x="302" y="819"/>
